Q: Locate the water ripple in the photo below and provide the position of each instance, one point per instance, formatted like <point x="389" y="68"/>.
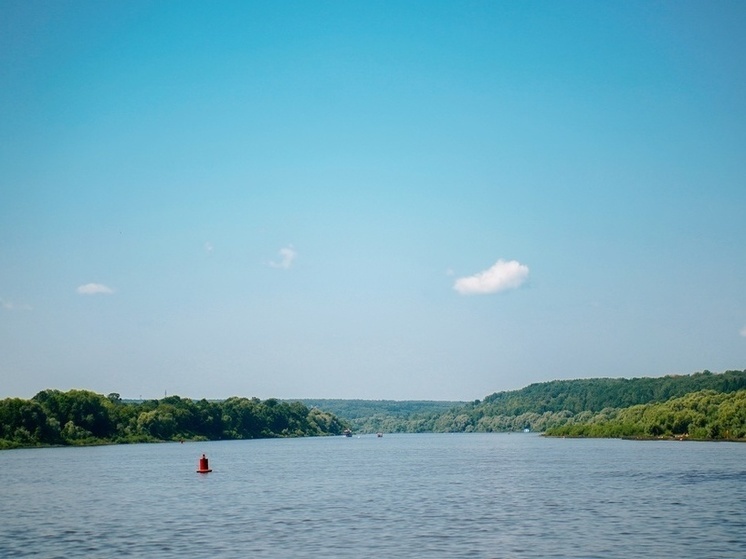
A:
<point x="402" y="496"/>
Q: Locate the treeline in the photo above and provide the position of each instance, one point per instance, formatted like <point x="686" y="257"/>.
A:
<point x="79" y="417"/>
<point x="538" y="407"/>
<point x="596" y="394"/>
<point x="702" y="405"/>
<point x="545" y="405"/>
<point x="357" y="409"/>
<point x="701" y="415"/>
<point x="387" y="416"/>
<point x="458" y="419"/>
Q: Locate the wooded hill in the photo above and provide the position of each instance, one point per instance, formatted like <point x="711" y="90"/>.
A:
<point x="596" y="394"/>
<point x="541" y="406"/>
<point x="702" y="405"/>
<point x="546" y="405"/>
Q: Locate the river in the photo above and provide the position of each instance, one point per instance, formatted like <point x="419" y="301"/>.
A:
<point x="399" y="496"/>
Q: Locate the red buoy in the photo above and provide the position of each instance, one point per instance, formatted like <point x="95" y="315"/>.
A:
<point x="203" y="467"/>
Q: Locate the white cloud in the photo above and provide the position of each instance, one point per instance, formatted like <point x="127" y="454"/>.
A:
<point x="501" y="276"/>
<point x="287" y="256"/>
<point x="208" y="247"/>
<point x="94" y="289"/>
<point x="743" y="332"/>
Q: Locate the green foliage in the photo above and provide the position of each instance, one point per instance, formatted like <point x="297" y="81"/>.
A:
<point x="703" y="415"/>
<point x="23" y="422"/>
<point x="545" y="405"/>
<point x="703" y="406"/>
<point x="387" y="416"/>
<point x="596" y="394"/>
<point x="82" y="414"/>
<point x="357" y="409"/>
<point x="80" y="417"/>
<point x="538" y="407"/>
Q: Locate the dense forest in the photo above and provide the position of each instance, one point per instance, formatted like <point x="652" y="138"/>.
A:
<point x="547" y="405"/>
<point x="598" y="393"/>
<point x="78" y="417"/>
<point x="698" y="406"/>
<point x="700" y="415"/>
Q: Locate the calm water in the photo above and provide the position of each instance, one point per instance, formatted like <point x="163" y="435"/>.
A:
<point x="413" y="496"/>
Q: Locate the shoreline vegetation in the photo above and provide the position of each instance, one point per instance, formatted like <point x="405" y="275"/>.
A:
<point x="711" y="407"/>
<point x="82" y="417"/>
<point x="702" y="406"/>
<point x="706" y="415"/>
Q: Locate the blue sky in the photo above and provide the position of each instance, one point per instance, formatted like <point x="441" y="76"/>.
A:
<point x="378" y="200"/>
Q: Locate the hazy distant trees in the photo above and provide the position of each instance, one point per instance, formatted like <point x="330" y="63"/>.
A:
<point x="592" y="402"/>
<point x="387" y="416"/>
<point x="79" y="417"/>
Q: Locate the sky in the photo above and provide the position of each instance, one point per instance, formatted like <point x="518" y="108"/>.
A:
<point x="409" y="200"/>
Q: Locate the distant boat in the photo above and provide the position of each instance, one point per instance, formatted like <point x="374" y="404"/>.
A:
<point x="347" y="433"/>
<point x="379" y="435"/>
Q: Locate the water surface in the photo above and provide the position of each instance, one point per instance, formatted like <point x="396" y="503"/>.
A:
<point x="400" y="496"/>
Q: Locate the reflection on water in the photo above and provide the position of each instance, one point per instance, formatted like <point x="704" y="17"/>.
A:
<point x="418" y="496"/>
